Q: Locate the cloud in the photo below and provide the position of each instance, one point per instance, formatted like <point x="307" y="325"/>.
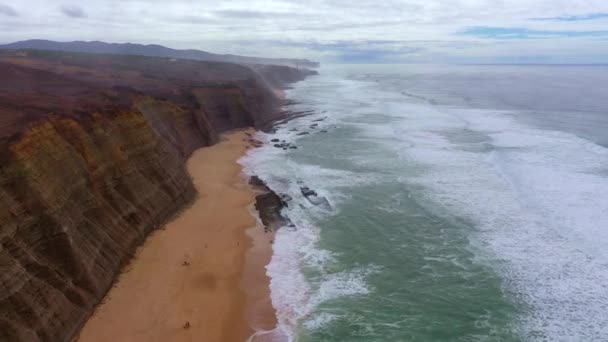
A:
<point x="73" y="11"/>
<point x="246" y="14"/>
<point x="525" y="33"/>
<point x="8" y="11"/>
<point x="359" y="51"/>
<point x="389" y="30"/>
<point x="350" y="25"/>
<point x="592" y="16"/>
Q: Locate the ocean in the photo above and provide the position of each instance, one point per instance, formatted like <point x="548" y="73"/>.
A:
<point x="448" y="203"/>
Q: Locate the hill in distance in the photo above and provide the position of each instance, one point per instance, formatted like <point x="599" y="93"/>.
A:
<point x="152" y="51"/>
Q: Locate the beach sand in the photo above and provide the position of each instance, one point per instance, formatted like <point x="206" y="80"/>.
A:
<point x="202" y="277"/>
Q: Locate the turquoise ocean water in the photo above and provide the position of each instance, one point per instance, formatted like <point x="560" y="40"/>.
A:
<point x="454" y="203"/>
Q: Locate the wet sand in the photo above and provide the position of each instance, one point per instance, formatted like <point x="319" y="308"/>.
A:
<point x="202" y="277"/>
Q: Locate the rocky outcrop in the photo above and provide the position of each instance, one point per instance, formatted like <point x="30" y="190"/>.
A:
<point x="92" y="154"/>
<point x="269" y="206"/>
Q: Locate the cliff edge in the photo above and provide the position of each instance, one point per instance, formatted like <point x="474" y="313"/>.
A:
<point x="93" y="151"/>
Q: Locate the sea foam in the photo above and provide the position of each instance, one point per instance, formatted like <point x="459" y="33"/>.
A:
<point x="295" y="296"/>
<point x="539" y="204"/>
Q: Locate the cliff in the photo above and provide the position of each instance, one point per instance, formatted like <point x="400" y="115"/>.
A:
<point x="92" y="152"/>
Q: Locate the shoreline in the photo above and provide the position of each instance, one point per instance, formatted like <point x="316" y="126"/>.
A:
<point x="202" y="276"/>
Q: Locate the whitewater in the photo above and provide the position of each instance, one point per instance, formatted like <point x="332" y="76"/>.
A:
<point x="460" y="203"/>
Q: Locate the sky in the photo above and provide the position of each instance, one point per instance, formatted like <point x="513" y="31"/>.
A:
<point x="341" y="31"/>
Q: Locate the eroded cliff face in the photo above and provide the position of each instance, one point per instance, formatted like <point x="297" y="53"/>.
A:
<point x="92" y="160"/>
<point x="75" y="202"/>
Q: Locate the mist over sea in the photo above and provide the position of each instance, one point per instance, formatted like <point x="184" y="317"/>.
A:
<point x="454" y="203"/>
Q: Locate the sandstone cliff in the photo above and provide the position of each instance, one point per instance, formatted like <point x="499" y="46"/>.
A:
<point x="92" y="152"/>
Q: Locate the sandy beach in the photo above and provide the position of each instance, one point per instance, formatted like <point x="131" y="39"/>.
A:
<point x="201" y="277"/>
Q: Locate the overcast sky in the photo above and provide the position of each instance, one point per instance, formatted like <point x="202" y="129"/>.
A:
<point x="558" y="31"/>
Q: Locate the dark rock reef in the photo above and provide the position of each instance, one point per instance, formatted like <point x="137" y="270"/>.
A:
<point x="93" y="152"/>
<point x="269" y="205"/>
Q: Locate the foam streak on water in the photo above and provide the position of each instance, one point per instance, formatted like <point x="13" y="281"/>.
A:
<point x="539" y="206"/>
<point x="490" y="222"/>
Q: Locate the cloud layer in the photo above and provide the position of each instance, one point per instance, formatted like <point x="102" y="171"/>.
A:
<point x="73" y="11"/>
<point x="524" y="33"/>
<point x="7" y="11"/>
<point x="330" y="30"/>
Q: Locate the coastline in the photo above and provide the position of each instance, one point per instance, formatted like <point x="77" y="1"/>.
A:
<point x="202" y="276"/>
